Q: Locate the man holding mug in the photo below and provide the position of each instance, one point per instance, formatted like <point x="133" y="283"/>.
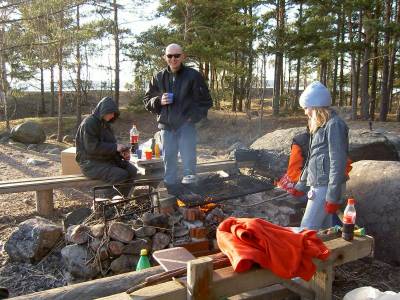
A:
<point x="179" y="96"/>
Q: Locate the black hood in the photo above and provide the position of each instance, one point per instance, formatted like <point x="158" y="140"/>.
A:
<point x="106" y="106"/>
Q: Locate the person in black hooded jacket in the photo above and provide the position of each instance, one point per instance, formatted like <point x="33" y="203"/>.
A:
<point x="97" y="151"/>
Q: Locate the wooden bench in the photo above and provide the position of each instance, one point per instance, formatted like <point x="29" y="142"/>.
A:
<point x="202" y="283"/>
<point x="44" y="186"/>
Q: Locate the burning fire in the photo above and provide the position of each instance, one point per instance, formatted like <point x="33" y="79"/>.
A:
<point x="204" y="208"/>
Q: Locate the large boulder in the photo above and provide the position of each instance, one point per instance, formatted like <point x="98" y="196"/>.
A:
<point x="275" y="152"/>
<point x="32" y="240"/>
<point x="28" y="133"/>
<point x="372" y="145"/>
<point x="375" y="186"/>
<point x="364" y="145"/>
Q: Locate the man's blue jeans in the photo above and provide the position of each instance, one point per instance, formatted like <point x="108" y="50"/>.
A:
<point x="182" y="140"/>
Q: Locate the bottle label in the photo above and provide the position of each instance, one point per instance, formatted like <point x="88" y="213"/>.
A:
<point x="349" y="219"/>
<point x="134" y="139"/>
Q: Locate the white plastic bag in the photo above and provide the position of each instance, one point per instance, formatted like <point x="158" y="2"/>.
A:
<point x="370" y="293"/>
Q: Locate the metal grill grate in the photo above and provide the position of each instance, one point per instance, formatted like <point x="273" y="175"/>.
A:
<point x="215" y="188"/>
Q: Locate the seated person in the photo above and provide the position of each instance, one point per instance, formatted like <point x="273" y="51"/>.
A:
<point x="97" y="151"/>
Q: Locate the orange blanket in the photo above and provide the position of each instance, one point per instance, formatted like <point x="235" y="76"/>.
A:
<point x="287" y="254"/>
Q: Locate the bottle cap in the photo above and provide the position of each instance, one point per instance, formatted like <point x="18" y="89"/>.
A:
<point x="143" y="252"/>
<point x="351" y="201"/>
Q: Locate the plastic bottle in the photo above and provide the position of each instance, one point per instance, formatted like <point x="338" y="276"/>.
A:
<point x="134" y="138"/>
<point x="157" y="150"/>
<point x="144" y="262"/>
<point x="349" y="220"/>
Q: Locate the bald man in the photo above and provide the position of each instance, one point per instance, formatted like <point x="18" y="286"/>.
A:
<point x="179" y="96"/>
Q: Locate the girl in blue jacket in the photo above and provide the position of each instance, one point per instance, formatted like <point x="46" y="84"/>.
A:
<point x="325" y="170"/>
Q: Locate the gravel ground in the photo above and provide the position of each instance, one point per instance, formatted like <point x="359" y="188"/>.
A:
<point x="15" y="208"/>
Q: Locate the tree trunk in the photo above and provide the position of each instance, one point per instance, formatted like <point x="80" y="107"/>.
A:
<point x="263" y="86"/>
<point x="298" y="66"/>
<point x="323" y="71"/>
<point x="250" y="63"/>
<point x="78" y="74"/>
<point x="188" y="20"/>
<point x="393" y="57"/>
<point x="336" y="54"/>
<point x="42" y="110"/>
<point x="365" y="73"/>
<point x="53" y="94"/>
<point x="353" y="74"/>
<point x="374" y="78"/>
<point x="3" y="74"/>
<point x="116" y="45"/>
<point x="278" y="57"/>
<point x="235" y="85"/>
<point x="341" y="75"/>
<point x="60" y="128"/>
<point x="385" y="72"/>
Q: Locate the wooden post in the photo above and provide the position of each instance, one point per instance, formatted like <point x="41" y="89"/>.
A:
<point x="199" y="279"/>
<point x="44" y="203"/>
<point x="321" y="283"/>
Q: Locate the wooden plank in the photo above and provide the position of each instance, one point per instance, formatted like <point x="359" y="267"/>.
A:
<point x="344" y="251"/>
<point x="321" y="283"/>
<point x="66" y="181"/>
<point x="96" y="288"/>
<point x="199" y="279"/>
<point x="44" y="203"/>
<point x="273" y="292"/>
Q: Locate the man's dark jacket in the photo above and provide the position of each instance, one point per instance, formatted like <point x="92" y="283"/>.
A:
<point x="191" y="97"/>
<point x="95" y="139"/>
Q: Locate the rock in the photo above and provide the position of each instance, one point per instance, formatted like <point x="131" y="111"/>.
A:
<point x="28" y="133"/>
<point x="54" y="151"/>
<point x="97" y="231"/>
<point x="156" y="220"/>
<point x="100" y="248"/>
<point x="75" y="258"/>
<point x="33" y="239"/>
<point x="124" y="263"/>
<point x="375" y="187"/>
<point x="134" y="247"/>
<point x="121" y="232"/>
<point x="145" y="231"/>
<point x="32" y="147"/>
<point x="68" y="139"/>
<point x="4" y="140"/>
<point x="17" y="144"/>
<point x="237" y="145"/>
<point x="77" y="216"/>
<point x="115" y="248"/>
<point x="371" y="145"/>
<point x="180" y="231"/>
<point x="160" y="241"/>
<point x="94" y="244"/>
<point x="276" y="150"/>
<point x="77" y="234"/>
<point x="35" y="162"/>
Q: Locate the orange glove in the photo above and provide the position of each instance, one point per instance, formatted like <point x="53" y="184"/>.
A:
<point x="296" y="193"/>
<point x="331" y="208"/>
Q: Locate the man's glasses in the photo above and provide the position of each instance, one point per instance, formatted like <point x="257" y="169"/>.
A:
<point x="174" y="55"/>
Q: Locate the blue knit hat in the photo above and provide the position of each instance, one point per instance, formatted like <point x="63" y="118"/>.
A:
<point x="315" y="95"/>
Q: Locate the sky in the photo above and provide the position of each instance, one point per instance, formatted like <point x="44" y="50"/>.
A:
<point x="137" y="19"/>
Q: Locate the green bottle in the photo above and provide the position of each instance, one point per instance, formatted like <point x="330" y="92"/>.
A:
<point x="144" y="262"/>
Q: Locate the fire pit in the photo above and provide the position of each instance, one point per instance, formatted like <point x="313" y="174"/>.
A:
<point x="215" y="188"/>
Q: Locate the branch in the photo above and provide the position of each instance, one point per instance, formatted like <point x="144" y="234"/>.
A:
<point x="44" y="15"/>
<point x="30" y="44"/>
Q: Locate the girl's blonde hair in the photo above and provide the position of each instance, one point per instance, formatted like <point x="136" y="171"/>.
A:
<point x="319" y="117"/>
